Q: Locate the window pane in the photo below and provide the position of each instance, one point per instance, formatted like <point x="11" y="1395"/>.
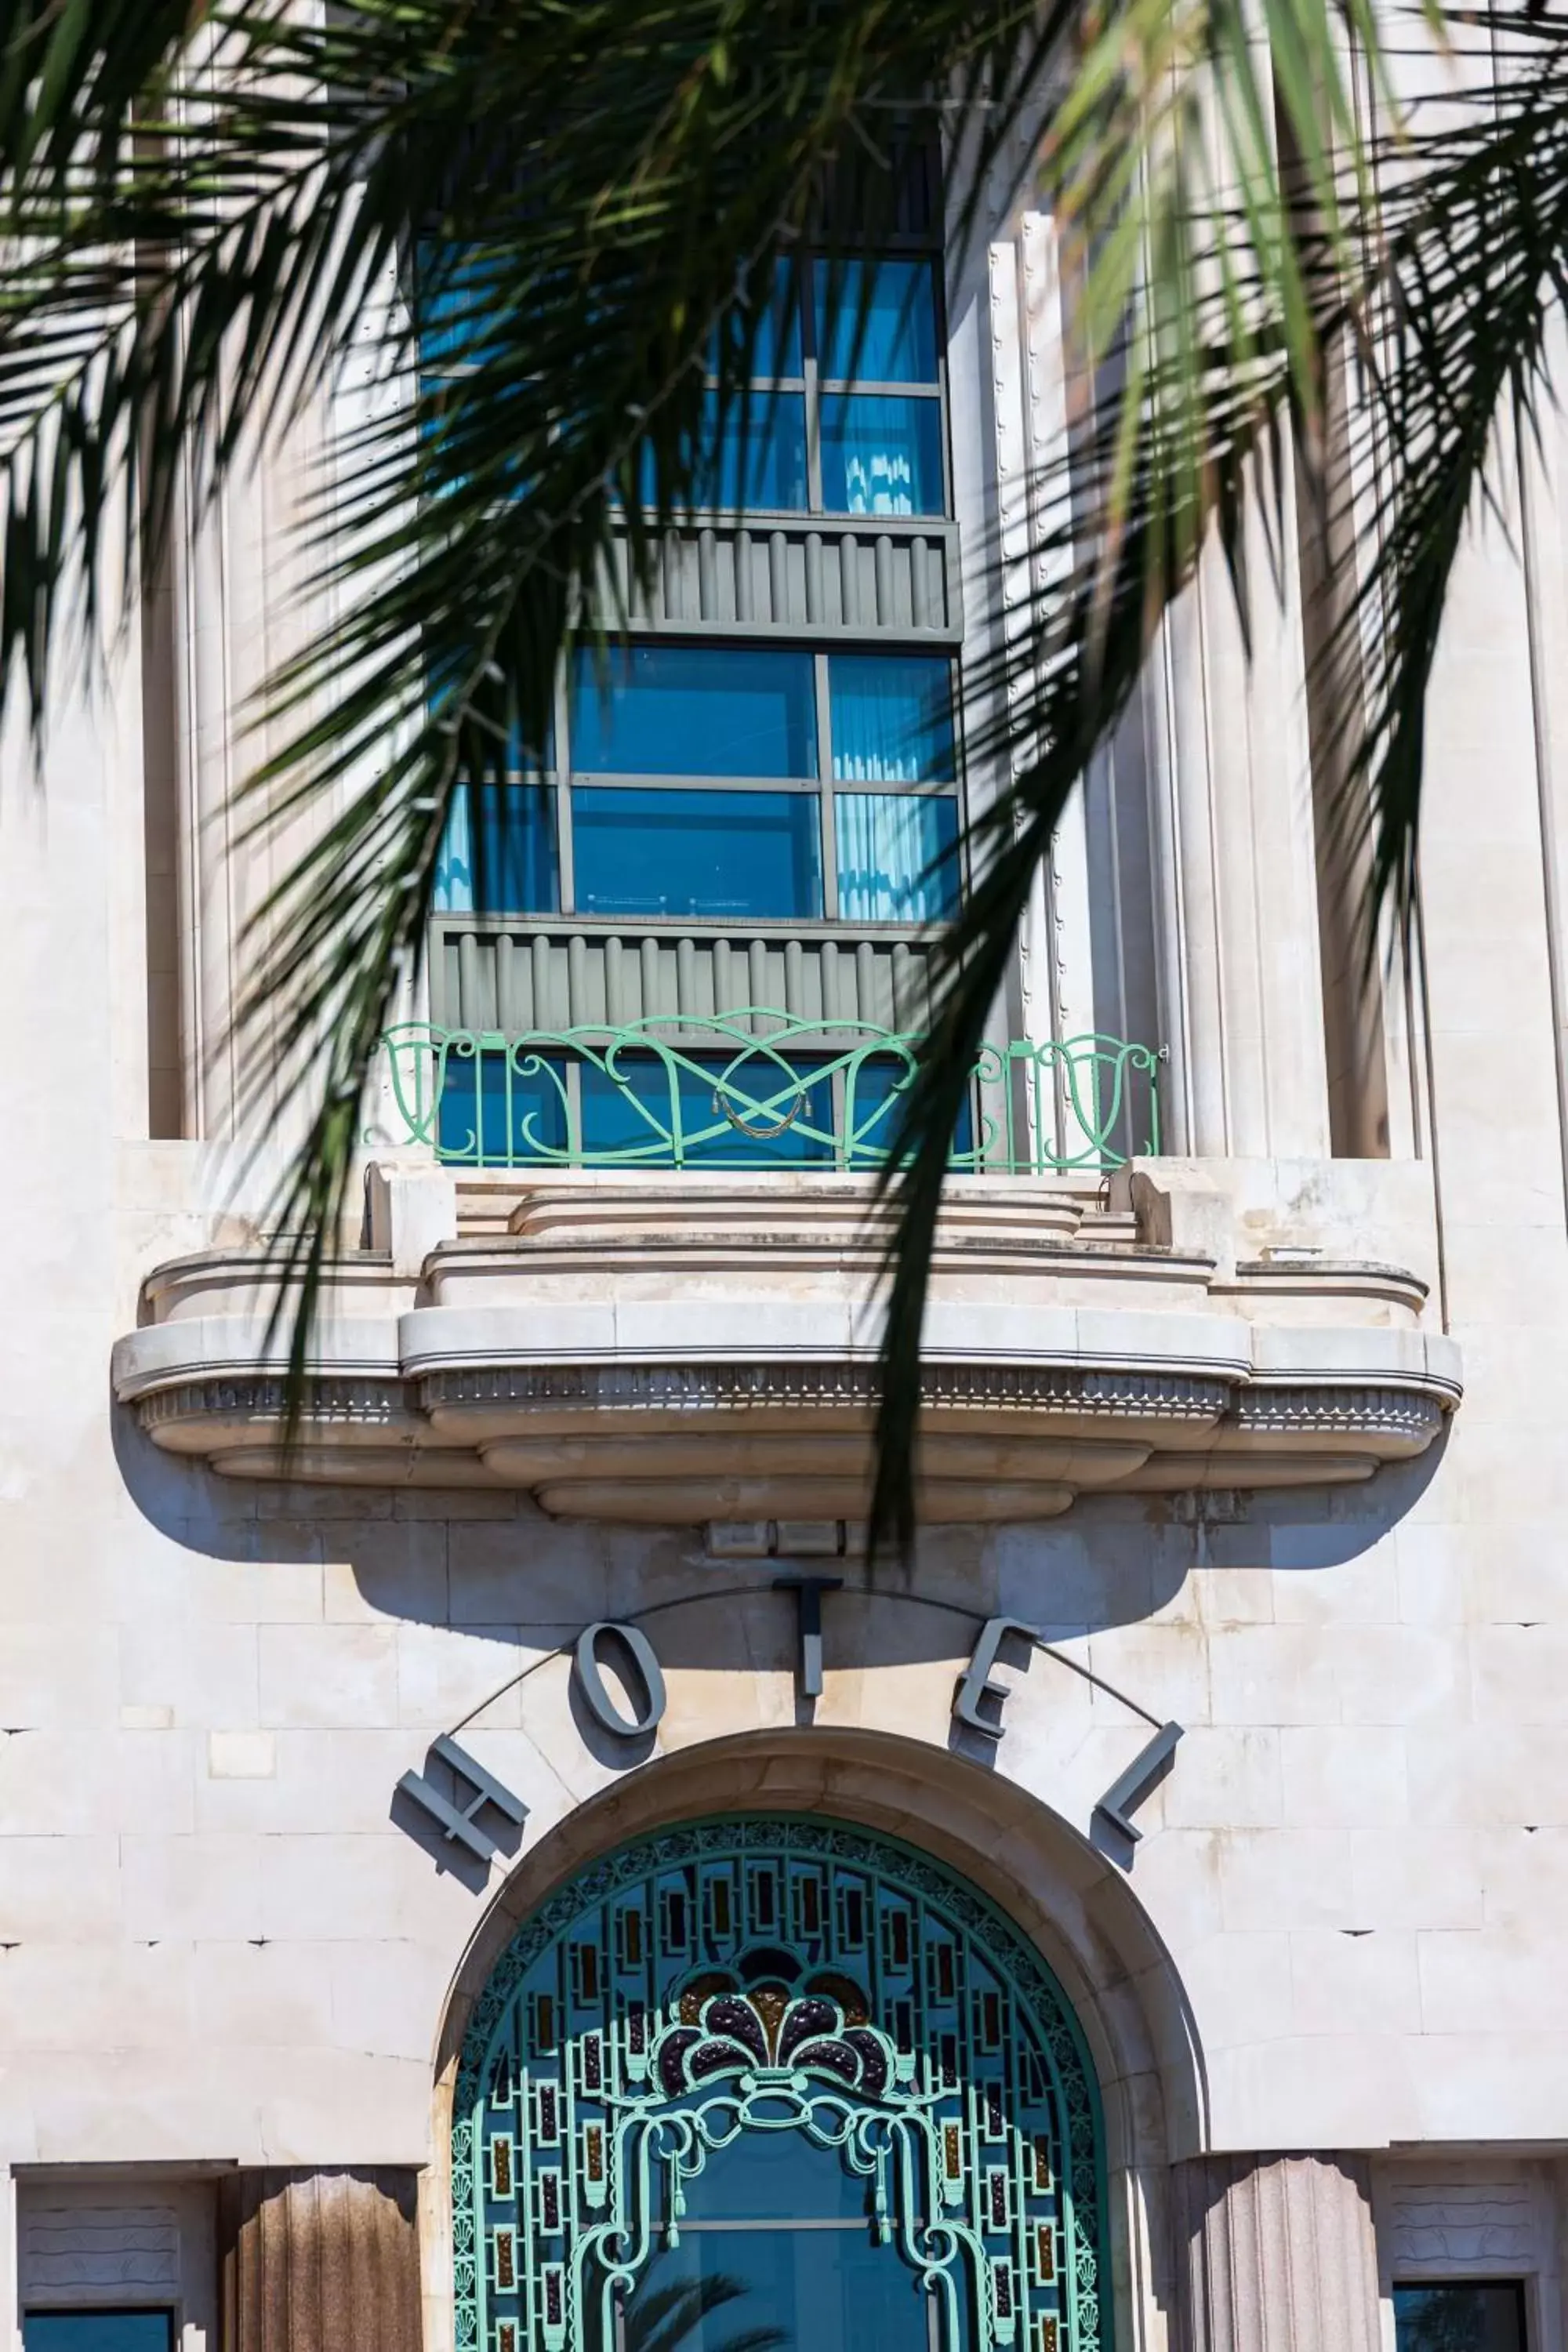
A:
<point x="97" y="2331"/>
<point x="712" y="2290"/>
<point x="763" y="467"/>
<point x="881" y="454"/>
<point x="891" y="718"/>
<point x="777" y="350"/>
<point x="898" y="332"/>
<point x="713" y="855"/>
<point x="758" y="1113"/>
<point x="1459" y="2318"/>
<point x="505" y="862"/>
<point x="454" y="293"/>
<point x="695" y="711"/>
<point x="898" y="857"/>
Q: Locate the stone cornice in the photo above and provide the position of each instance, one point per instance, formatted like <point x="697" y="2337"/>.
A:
<point x="713" y="1372"/>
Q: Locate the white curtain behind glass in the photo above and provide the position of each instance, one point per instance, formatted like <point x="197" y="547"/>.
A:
<point x="877" y="709"/>
<point x="454" y="892"/>
<point x="886" y="842"/>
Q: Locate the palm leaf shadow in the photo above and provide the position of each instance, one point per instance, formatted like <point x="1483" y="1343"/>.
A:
<point x="662" y="2319"/>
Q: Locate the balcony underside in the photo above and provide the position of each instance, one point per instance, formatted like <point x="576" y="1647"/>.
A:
<point x="671" y="1349"/>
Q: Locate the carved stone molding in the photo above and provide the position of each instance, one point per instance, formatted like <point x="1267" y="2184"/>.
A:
<point x="671" y="1350"/>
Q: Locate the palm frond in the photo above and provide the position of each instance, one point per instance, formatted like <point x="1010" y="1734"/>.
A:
<point x="1446" y="304"/>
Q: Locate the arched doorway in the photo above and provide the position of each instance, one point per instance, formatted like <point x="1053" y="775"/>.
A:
<point x="774" y="2083"/>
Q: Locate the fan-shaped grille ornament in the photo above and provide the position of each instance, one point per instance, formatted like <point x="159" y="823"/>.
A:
<point x="774" y="1976"/>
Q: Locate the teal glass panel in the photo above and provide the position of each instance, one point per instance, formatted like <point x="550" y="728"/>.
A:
<point x="881" y="454"/>
<point x="1460" y="2316"/>
<point x="891" y="718"/>
<point x="695" y="711"/>
<point x="98" y="2331"/>
<point x="498" y="856"/>
<point x="716" y="855"/>
<point x="752" y="1112"/>
<point x="877" y="321"/>
<point x="897" y="857"/>
<point x="497" y="1108"/>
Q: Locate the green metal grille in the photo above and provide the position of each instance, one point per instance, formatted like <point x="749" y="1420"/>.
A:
<point x="768" y="1975"/>
<point x="755" y="1088"/>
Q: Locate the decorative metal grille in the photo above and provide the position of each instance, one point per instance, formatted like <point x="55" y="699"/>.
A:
<point x="775" y="1975"/>
<point x="755" y="1089"/>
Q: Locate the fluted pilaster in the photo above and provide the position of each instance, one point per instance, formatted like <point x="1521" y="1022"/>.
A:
<point x="1274" y="2254"/>
<point x="317" y="2261"/>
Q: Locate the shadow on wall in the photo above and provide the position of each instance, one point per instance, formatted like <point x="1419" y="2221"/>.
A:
<point x="471" y="1559"/>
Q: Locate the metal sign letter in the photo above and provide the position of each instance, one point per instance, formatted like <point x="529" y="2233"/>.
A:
<point x="1138" y="1780"/>
<point x="808" y="1591"/>
<point x="640" y="1649"/>
<point x="976" y="1687"/>
<point x="458" y="1822"/>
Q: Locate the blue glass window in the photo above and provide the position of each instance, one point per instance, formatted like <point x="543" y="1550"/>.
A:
<point x="716" y="855"/>
<point x="695" y="711"/>
<point x="890" y="307"/>
<point x="762" y="466"/>
<point x="897" y="857"/>
<point x="827" y="2284"/>
<point x="98" y="2331"/>
<point x="881" y="454"/>
<point x="1458" y="2315"/>
<point x="760" y="1113"/>
<point x="777" y="350"/>
<point x="456" y="293"/>
<point x="874" y="1092"/>
<point x="891" y="718"/>
<point x="503" y="863"/>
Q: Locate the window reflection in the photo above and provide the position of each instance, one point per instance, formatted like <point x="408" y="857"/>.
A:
<point x="721" y="856"/>
<point x="498" y="856"/>
<point x="695" y="711"/>
<point x="777" y="2250"/>
<point x="891" y="718"/>
<point x="881" y="454"/>
<point x="1460" y="2316"/>
<point x="898" y="857"/>
<point x="757" y="461"/>
<point x="876" y="321"/>
<point x="98" y="2331"/>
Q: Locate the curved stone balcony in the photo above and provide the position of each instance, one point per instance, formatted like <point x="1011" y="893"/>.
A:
<point x="676" y="1346"/>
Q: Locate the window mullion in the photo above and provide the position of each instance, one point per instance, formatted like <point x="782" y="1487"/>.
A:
<point x="826" y="812"/>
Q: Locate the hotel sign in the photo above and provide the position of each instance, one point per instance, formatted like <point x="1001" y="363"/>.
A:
<point x="978" y="1702"/>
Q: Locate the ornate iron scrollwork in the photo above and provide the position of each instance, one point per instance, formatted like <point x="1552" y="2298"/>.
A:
<point x="774" y="1976"/>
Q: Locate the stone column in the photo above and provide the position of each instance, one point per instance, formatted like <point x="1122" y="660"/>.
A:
<point x="1274" y="2254"/>
<point x="1232" y="821"/>
<point x="317" y="2261"/>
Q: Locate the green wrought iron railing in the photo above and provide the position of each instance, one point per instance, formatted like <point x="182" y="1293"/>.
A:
<point x="754" y="1089"/>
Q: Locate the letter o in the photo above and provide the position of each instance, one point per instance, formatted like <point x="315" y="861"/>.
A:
<point x="640" y="1649"/>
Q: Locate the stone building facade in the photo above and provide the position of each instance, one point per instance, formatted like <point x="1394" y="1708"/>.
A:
<point x="442" y="1869"/>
